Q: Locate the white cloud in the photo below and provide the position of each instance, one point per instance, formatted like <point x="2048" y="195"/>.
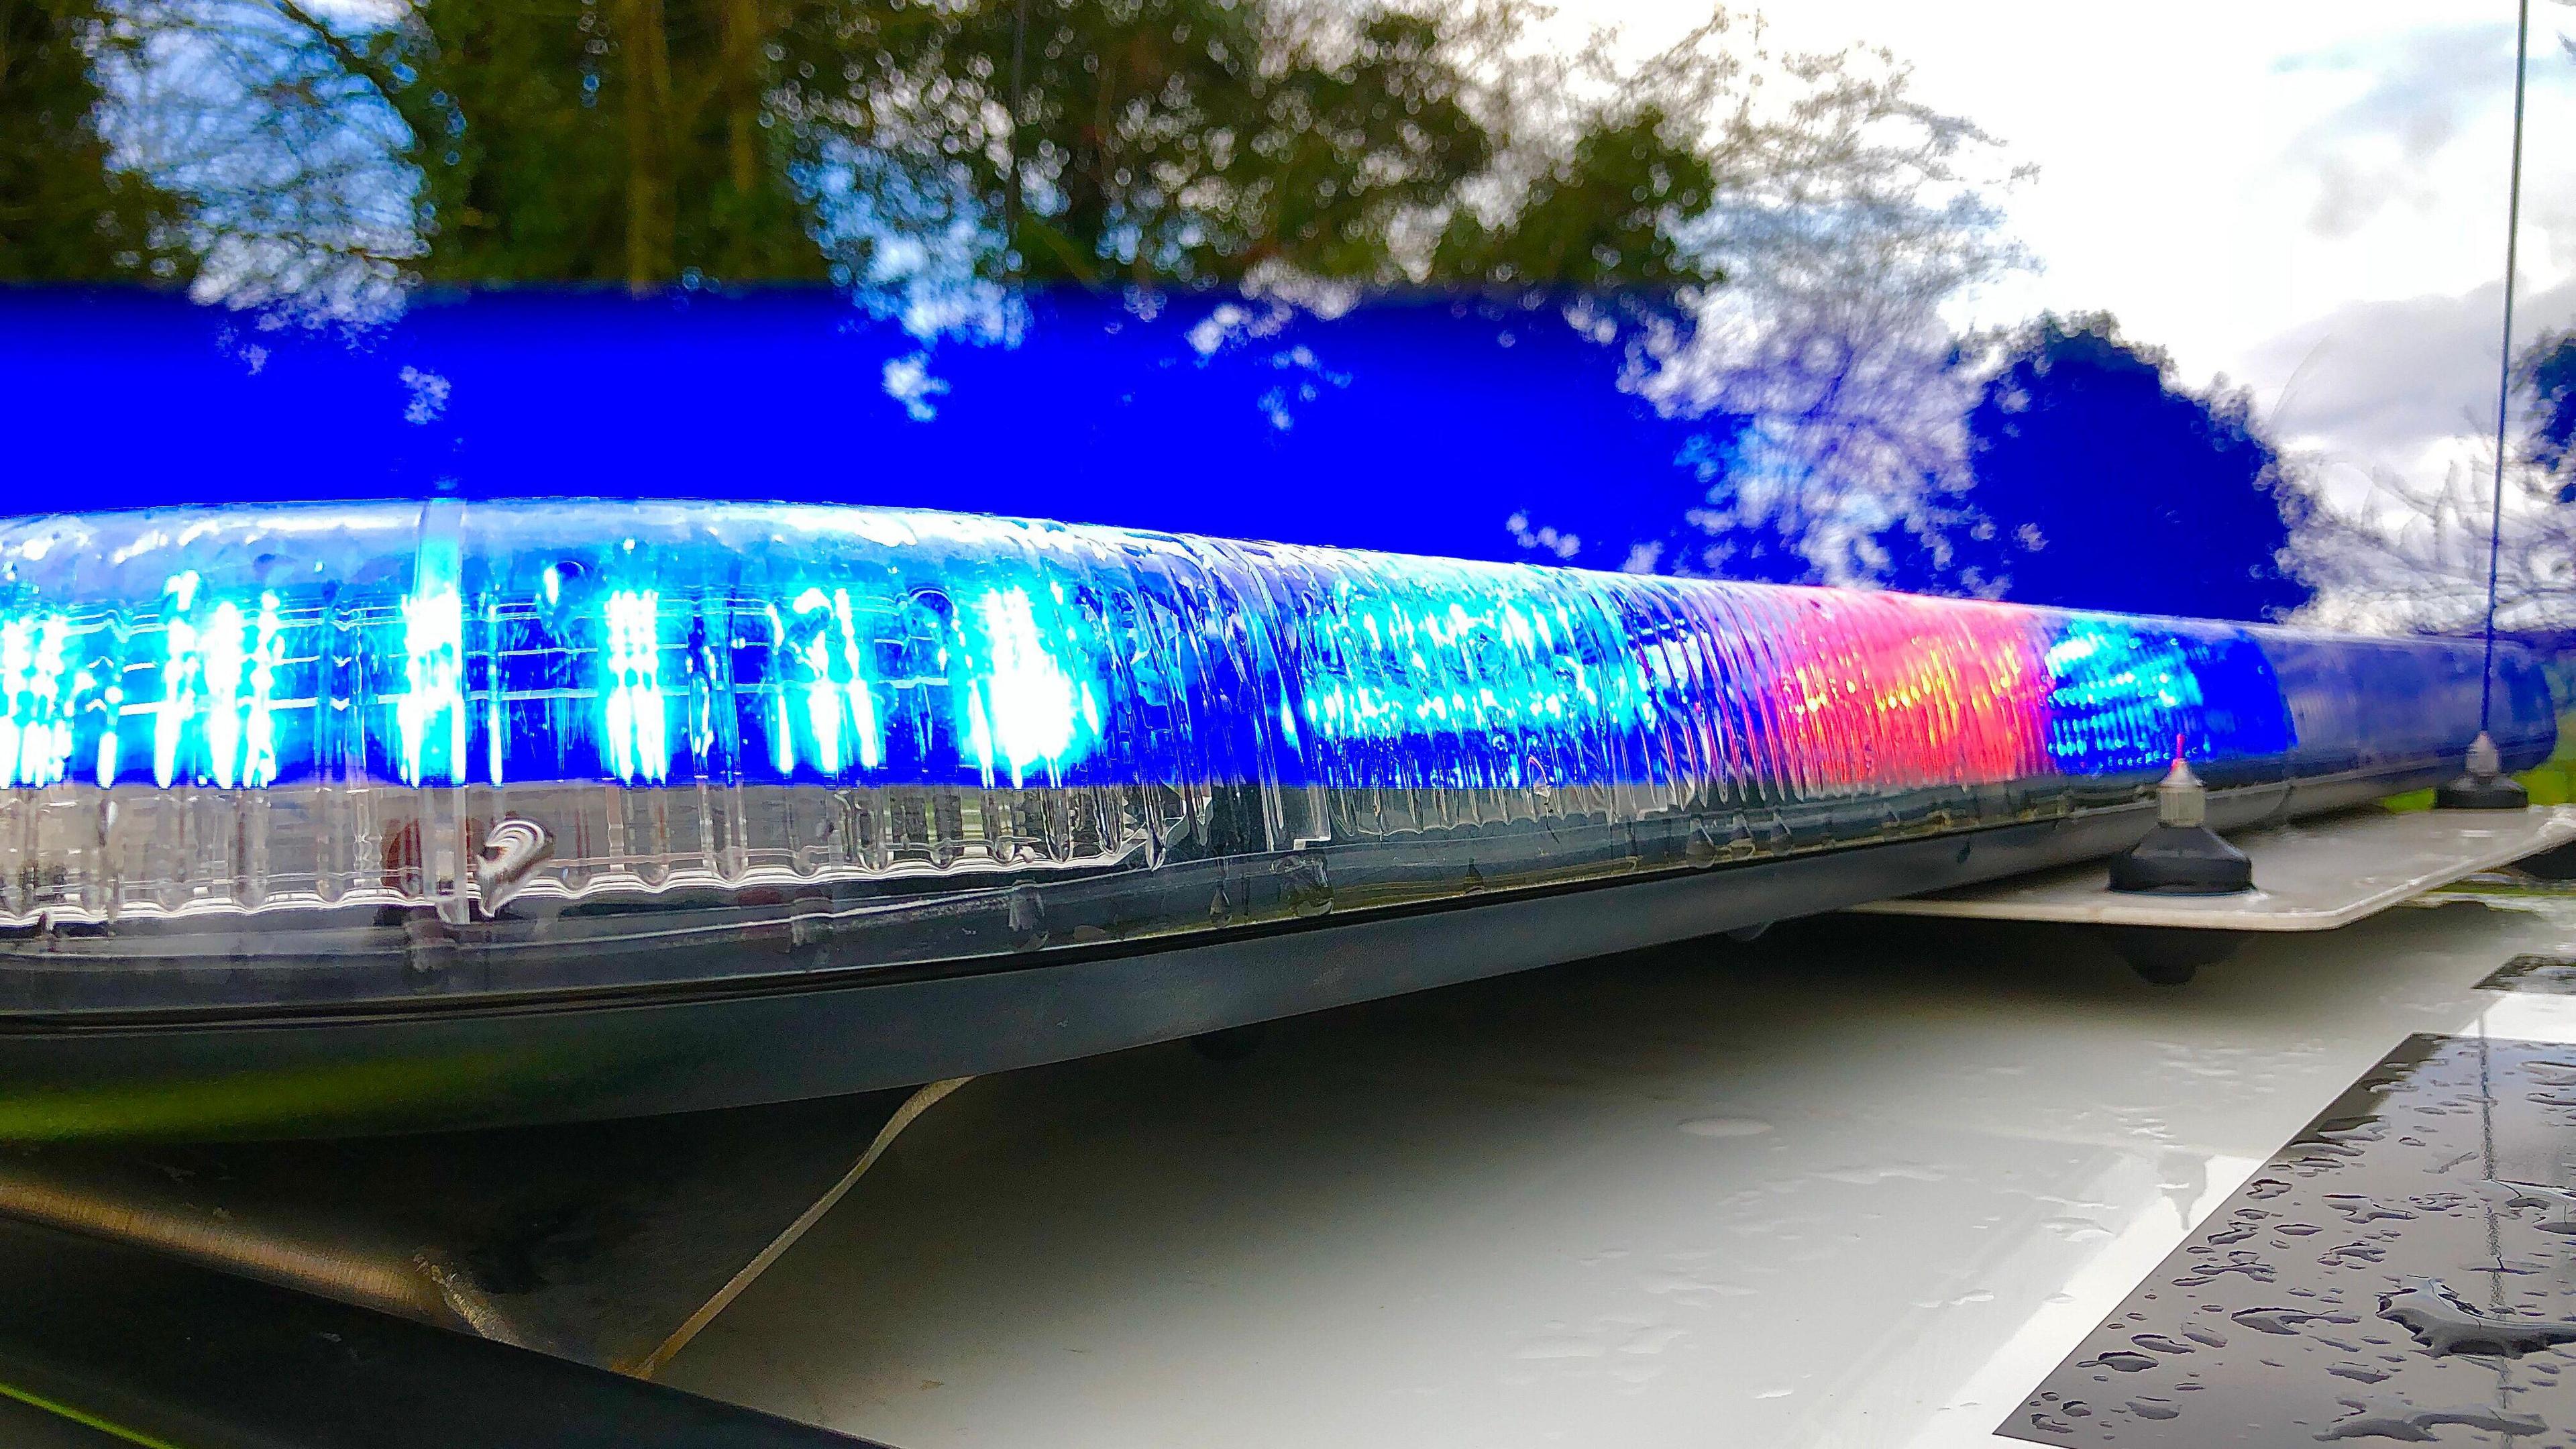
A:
<point x="2302" y="195"/>
<point x="2380" y="148"/>
<point x="2397" y="383"/>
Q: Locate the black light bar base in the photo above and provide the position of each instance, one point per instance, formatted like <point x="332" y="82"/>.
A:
<point x="2482" y="783"/>
<point x="2482" y="792"/>
<point x="2182" y="860"/>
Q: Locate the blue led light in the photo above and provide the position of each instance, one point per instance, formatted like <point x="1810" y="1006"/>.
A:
<point x="634" y="714"/>
<point x="1418" y="674"/>
<point x="663" y="644"/>
<point x="2131" y="694"/>
<point x="36" y="731"/>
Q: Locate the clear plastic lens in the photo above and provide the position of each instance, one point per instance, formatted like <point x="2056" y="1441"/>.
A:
<point x="252" y="719"/>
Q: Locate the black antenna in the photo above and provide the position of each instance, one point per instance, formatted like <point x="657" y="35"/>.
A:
<point x="2484" y="786"/>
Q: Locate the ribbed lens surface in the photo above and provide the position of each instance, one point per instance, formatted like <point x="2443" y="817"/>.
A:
<point x="215" y="712"/>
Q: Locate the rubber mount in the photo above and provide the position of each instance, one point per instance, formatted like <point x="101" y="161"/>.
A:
<point x="2171" y="955"/>
<point x="2482" y="792"/>
<point x="2182" y="860"/>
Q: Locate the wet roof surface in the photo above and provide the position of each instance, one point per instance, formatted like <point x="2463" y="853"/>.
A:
<point x="1855" y="1183"/>
<point x="2402" y="1267"/>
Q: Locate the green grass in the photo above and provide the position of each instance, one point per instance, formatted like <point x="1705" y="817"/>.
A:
<point x="89" y="1421"/>
<point x="313" y="1099"/>
<point x="2552" y="782"/>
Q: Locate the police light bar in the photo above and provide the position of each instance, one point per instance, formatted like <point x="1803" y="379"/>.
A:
<point x="309" y="774"/>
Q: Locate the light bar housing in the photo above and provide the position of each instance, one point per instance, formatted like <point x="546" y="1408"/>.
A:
<point x="403" y="757"/>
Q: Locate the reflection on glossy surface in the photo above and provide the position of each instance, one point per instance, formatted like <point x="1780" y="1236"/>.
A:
<point x="1498" y="1216"/>
<point x="2399" y="1267"/>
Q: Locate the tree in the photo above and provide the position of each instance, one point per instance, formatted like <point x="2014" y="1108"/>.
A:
<point x="1759" y="241"/>
<point x="561" y="141"/>
<point x="1843" y="215"/>
<point x="475" y="142"/>
<point x="2415" y="557"/>
<point x="2548" y="371"/>
<point x="904" y="148"/>
<point x="1105" y="143"/>
<point x="68" y="211"/>
<point x="1193" y="141"/>
<point x="1599" y="217"/>
<point x="2100" y="483"/>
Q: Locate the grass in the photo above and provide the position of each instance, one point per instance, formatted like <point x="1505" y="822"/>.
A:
<point x="2552" y="782"/>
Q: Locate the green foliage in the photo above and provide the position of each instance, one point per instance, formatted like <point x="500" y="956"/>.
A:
<point x="1190" y="141"/>
<point x="1165" y="141"/>
<point x="2551" y="782"/>
<point x="68" y="212"/>
<point x="1104" y="143"/>
<point x="1601" y="218"/>
<point x="568" y="142"/>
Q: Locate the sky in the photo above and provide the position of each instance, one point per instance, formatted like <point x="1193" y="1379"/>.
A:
<point x="2306" y="198"/>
